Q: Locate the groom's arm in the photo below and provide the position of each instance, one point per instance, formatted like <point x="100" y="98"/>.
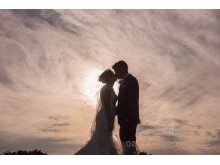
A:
<point x="123" y="102"/>
<point x="129" y="99"/>
<point x="116" y="110"/>
<point x="133" y="97"/>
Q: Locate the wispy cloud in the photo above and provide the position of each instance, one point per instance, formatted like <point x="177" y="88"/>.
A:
<point x="47" y="54"/>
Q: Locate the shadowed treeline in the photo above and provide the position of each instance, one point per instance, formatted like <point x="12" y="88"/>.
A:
<point x="24" y="152"/>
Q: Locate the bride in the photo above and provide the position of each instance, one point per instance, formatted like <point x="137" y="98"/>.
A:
<point x="103" y="140"/>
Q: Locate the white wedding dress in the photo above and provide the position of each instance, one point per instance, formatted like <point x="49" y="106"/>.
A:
<point x="102" y="142"/>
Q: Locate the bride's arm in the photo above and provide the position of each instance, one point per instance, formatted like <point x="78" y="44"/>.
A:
<point x="106" y="100"/>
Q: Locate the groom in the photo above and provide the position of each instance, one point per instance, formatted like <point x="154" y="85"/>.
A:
<point x="127" y="108"/>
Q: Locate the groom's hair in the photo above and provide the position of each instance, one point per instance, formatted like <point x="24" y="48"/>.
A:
<point x="120" y="65"/>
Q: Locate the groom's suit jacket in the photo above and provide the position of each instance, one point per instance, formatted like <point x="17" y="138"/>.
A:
<point x="128" y="101"/>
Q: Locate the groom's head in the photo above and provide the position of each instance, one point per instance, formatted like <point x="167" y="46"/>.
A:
<point x="121" y="69"/>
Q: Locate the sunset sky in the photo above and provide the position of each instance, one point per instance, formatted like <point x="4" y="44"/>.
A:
<point x="50" y="61"/>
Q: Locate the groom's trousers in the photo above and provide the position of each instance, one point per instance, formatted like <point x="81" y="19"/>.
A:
<point x="127" y="135"/>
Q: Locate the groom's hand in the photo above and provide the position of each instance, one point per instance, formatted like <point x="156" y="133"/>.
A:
<point x="116" y="111"/>
<point x="111" y="128"/>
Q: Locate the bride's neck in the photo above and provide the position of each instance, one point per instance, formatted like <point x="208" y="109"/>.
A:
<point x="110" y="84"/>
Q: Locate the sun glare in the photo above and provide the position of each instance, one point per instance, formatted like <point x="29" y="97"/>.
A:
<point x="91" y="84"/>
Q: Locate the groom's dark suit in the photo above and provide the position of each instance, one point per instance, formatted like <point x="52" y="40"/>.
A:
<point x="128" y="108"/>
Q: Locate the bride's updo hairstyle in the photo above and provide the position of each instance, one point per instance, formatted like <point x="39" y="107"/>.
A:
<point x="107" y="76"/>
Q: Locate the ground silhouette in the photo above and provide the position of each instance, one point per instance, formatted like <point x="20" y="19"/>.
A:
<point x="24" y="152"/>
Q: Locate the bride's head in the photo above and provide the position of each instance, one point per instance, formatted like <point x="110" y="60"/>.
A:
<point x="107" y="77"/>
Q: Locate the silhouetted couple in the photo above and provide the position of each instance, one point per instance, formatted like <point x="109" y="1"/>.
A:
<point x="103" y="141"/>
